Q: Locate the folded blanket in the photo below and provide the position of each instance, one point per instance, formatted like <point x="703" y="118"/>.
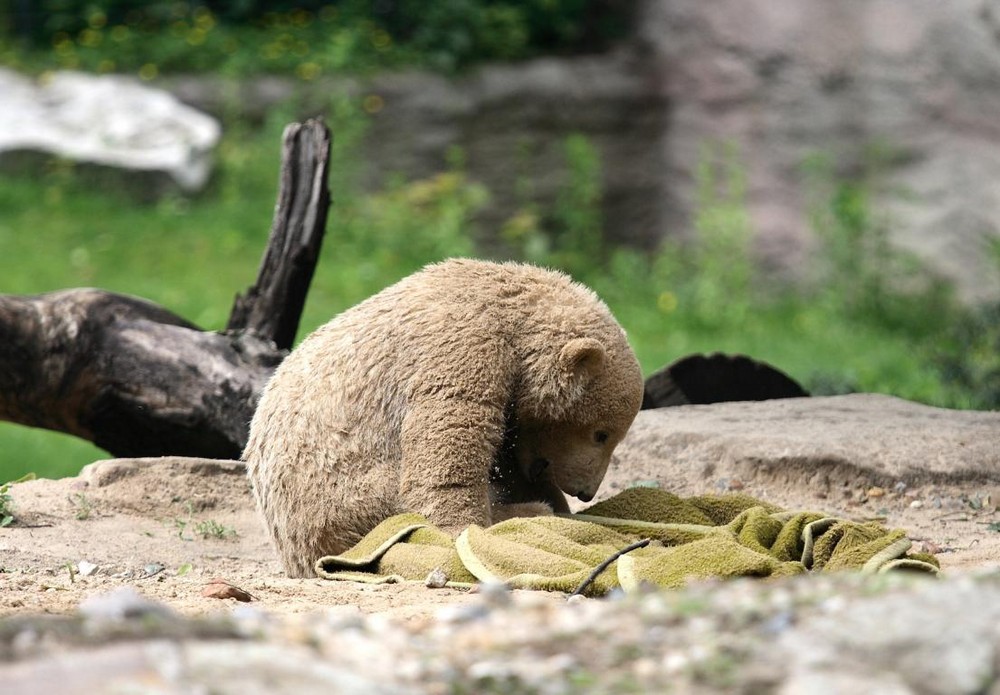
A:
<point x="690" y="538"/>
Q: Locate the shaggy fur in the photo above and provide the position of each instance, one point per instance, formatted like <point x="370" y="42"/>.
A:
<point x="469" y="392"/>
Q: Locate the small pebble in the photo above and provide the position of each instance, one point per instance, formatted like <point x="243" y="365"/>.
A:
<point x="489" y="671"/>
<point x="86" y="569"/>
<point x="495" y="593"/>
<point x="778" y="623"/>
<point x="675" y="661"/>
<point x="461" y="614"/>
<point x="222" y="589"/>
<point x="24" y="641"/>
<point x="343" y="617"/>
<point x="916" y="504"/>
<point x="122" y="604"/>
<point x="437" y="579"/>
<point x="616" y="594"/>
<point x="249" y="618"/>
<point x="931" y="547"/>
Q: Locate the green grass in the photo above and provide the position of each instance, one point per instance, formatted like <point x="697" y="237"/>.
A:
<point x="193" y="255"/>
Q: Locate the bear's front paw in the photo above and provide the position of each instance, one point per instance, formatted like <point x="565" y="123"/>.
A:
<point x="502" y="512"/>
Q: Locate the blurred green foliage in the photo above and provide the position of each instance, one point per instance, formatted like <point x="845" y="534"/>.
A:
<point x="872" y="319"/>
<point x="304" y="38"/>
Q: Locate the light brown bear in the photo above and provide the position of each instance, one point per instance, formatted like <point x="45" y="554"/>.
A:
<point x="469" y="391"/>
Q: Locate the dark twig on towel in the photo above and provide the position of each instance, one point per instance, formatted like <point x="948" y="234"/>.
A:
<point x="604" y="565"/>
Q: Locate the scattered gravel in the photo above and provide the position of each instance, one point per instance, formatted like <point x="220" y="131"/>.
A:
<point x="831" y="634"/>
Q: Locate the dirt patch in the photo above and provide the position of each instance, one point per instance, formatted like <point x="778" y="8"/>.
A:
<point x="167" y="527"/>
<point x="170" y="526"/>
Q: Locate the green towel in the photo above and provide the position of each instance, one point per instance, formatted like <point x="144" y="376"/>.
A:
<point x="692" y="538"/>
<point x="542" y="552"/>
<point x="403" y="547"/>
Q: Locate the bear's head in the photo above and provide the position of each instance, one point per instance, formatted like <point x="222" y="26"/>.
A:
<point x="596" y="390"/>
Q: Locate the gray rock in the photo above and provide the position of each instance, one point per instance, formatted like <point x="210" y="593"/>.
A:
<point x="173" y="667"/>
<point x="161" y="482"/>
<point x="86" y="569"/>
<point x="123" y="604"/>
<point x="110" y="122"/>
<point x="942" y="643"/>
<point x="785" y="80"/>
<point x="823" y="442"/>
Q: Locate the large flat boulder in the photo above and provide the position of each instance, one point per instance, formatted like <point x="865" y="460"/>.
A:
<point x="111" y="123"/>
<point x="931" y="471"/>
<point x="818" y="444"/>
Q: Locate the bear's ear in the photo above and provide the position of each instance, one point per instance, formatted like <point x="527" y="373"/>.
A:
<point x="582" y="358"/>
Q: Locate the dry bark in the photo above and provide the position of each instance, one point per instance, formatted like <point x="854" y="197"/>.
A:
<point x="271" y="308"/>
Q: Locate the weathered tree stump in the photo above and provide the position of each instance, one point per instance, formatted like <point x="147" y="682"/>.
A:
<point x="272" y="307"/>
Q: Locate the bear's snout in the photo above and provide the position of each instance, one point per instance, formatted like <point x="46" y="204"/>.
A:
<point x="584" y="496"/>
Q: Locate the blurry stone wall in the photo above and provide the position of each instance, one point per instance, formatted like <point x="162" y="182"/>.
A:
<point x="906" y="90"/>
<point x="916" y="82"/>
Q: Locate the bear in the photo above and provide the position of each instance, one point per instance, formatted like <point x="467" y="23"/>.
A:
<point x="470" y="391"/>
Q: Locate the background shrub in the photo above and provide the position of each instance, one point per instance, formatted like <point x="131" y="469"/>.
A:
<point x="303" y="37"/>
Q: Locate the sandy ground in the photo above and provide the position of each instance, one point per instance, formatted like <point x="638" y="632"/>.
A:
<point x="149" y="523"/>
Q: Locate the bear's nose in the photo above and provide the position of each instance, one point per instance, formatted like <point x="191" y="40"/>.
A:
<point x="584" y="496"/>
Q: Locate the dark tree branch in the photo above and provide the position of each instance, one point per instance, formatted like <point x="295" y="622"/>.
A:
<point x="592" y="577"/>
<point x="138" y="380"/>
<point x="272" y="307"/>
<point x="127" y="375"/>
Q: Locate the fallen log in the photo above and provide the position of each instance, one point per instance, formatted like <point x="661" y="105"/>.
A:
<point x="138" y="380"/>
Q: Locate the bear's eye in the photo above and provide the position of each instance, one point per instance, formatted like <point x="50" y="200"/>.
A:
<point x="600" y="437"/>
